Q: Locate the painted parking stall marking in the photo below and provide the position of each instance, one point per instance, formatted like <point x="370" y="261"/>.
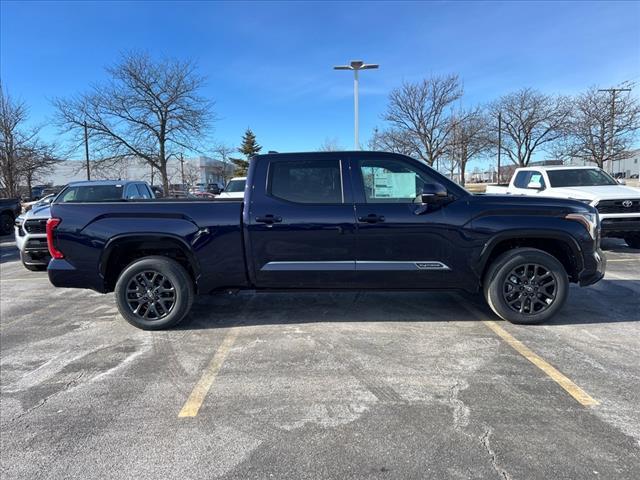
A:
<point x="199" y="392"/>
<point x="571" y="388"/>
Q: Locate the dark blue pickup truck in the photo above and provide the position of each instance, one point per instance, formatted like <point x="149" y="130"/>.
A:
<point x="331" y="220"/>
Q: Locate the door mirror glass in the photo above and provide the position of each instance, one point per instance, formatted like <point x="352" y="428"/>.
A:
<point x="433" y="193"/>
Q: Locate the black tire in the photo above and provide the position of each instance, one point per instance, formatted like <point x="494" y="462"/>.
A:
<point x="138" y="289"/>
<point x="526" y="285"/>
<point x="633" y="240"/>
<point x="6" y="224"/>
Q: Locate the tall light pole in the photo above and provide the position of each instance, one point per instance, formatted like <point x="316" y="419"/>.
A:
<point x="356" y="66"/>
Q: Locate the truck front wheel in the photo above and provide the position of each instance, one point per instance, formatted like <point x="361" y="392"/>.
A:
<point x="154" y="293"/>
<point x="526" y="285"/>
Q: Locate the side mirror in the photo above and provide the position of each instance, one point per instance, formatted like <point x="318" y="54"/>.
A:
<point x="433" y="193"/>
<point x="535" y="186"/>
<point x="621" y="181"/>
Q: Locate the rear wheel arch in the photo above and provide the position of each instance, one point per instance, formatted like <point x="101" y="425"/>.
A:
<point x="121" y="251"/>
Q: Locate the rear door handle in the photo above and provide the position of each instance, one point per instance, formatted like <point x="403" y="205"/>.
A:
<point x="371" y="218"/>
<point x="269" y="219"/>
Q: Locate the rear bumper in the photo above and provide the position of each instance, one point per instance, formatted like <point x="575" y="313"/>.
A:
<point x="63" y="274"/>
<point x="595" y="265"/>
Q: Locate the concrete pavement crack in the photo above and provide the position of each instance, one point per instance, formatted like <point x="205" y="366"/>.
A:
<point x="486" y="443"/>
<point x="460" y="410"/>
<point x="71" y="383"/>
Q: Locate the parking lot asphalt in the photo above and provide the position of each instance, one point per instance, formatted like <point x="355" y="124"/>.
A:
<point x="319" y="385"/>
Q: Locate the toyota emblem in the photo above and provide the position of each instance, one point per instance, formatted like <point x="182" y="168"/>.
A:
<point x="627" y="203"/>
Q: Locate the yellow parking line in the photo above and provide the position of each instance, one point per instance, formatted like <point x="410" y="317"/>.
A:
<point x="194" y="402"/>
<point x="572" y="389"/>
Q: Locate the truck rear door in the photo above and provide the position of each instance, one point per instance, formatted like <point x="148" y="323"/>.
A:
<point x="301" y="222"/>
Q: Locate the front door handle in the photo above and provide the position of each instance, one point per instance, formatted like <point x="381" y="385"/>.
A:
<point x="371" y="218"/>
<point x="269" y="219"/>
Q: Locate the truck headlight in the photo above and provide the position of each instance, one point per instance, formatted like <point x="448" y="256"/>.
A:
<point x="590" y="221"/>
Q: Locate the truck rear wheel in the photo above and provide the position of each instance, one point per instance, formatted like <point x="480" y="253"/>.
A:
<point x="526" y="285"/>
<point x="633" y="240"/>
<point x="154" y="293"/>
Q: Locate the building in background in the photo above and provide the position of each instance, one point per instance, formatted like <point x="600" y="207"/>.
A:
<point x="195" y="170"/>
<point x="624" y="168"/>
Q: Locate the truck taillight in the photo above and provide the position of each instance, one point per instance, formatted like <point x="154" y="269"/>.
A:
<point x="52" y="223"/>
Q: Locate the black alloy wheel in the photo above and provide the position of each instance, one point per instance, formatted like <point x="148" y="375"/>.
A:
<point x="154" y="293"/>
<point x="529" y="288"/>
<point x="151" y="295"/>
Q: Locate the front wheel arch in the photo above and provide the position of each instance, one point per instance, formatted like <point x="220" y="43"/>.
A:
<point x="561" y="246"/>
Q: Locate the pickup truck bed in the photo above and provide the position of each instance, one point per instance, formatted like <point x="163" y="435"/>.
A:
<point x="335" y="220"/>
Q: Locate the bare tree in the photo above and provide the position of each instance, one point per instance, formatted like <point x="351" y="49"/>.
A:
<point x="148" y="109"/>
<point x="599" y="134"/>
<point x="419" y="112"/>
<point x="531" y="121"/>
<point x="23" y="156"/>
<point x="223" y="152"/>
<point x="330" y="145"/>
<point x="36" y="162"/>
<point x="393" y="140"/>
<point x="469" y="139"/>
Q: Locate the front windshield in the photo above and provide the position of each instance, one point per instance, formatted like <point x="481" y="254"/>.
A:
<point x="580" y="177"/>
<point x="92" y="193"/>
<point x="235" y="186"/>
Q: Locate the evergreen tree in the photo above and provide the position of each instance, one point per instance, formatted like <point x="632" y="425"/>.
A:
<point x="249" y="147"/>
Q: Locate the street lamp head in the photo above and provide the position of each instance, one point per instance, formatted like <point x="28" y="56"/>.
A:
<point x="369" y="66"/>
<point x="343" y="67"/>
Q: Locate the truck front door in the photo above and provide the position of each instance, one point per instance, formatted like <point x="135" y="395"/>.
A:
<point x="400" y="242"/>
<point x="301" y="223"/>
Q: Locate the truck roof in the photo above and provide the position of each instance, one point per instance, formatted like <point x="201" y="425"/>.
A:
<point x="89" y="183"/>
<point x="559" y="167"/>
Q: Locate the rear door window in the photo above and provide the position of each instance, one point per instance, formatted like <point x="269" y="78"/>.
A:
<point x="524" y="178"/>
<point x="143" y="191"/>
<point x="306" y="181"/>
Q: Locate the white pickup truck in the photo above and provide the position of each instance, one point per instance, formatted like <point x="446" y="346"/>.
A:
<point x="618" y="205"/>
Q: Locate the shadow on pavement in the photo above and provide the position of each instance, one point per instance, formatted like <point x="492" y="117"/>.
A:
<point x="8" y="250"/>
<point x="612" y="302"/>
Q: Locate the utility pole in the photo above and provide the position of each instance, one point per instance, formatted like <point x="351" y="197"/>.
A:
<point x="182" y="169"/>
<point x="613" y="92"/>
<point x="86" y="149"/>
<point x="499" y="142"/>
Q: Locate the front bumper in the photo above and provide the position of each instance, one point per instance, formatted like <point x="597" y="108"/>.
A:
<point x="595" y="265"/>
<point x="619" y="225"/>
<point x="35" y="251"/>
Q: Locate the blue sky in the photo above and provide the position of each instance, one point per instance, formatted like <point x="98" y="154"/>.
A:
<point x="269" y="64"/>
